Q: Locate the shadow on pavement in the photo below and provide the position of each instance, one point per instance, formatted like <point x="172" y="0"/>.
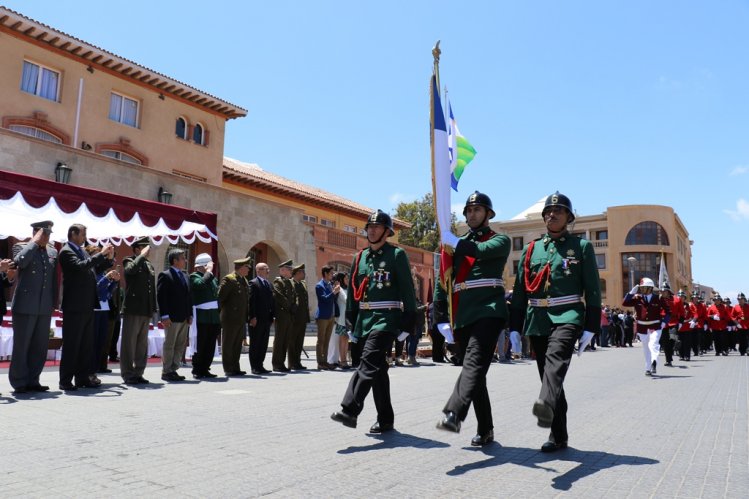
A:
<point x="590" y="462"/>
<point x="105" y="390"/>
<point x="665" y="376"/>
<point x="395" y="439"/>
<point x="7" y="400"/>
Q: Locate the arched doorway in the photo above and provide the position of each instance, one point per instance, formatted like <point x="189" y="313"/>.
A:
<point x="268" y="252"/>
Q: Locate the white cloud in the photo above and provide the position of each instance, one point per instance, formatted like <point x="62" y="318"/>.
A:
<point x="741" y="212"/>
<point x="739" y="170"/>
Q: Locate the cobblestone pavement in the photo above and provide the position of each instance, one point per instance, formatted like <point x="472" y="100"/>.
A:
<point x="682" y="433"/>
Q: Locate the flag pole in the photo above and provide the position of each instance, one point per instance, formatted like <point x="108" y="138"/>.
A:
<point x="436" y="75"/>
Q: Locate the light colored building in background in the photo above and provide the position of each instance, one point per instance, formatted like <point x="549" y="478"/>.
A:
<point x="640" y="232"/>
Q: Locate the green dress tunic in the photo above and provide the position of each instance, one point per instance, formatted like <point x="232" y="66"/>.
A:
<point x="572" y="271"/>
<point x="382" y="275"/>
<point x="480" y="259"/>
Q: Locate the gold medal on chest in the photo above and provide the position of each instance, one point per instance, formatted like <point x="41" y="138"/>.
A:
<point x="379" y="285"/>
<point x="570" y="252"/>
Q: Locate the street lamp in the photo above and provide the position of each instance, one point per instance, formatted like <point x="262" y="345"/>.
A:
<point x="62" y="173"/>
<point x="164" y="196"/>
<point x="631" y="263"/>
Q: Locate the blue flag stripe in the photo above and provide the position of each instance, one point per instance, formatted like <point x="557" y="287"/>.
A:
<point x="439" y="116"/>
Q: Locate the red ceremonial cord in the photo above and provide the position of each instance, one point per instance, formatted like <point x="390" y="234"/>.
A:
<point x="358" y="290"/>
<point x="532" y="287"/>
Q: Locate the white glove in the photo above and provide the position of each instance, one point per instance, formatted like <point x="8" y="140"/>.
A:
<point x="449" y="239"/>
<point x="584" y="342"/>
<point x="515" y="342"/>
<point x="716" y="317"/>
<point x="692" y="324"/>
<point x="402" y="336"/>
<point x="446" y="331"/>
<point x="351" y="337"/>
<point x="663" y="325"/>
<point x="634" y="290"/>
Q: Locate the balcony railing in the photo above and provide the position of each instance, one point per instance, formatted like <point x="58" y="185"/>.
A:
<point x="341" y="239"/>
<point x="601" y="244"/>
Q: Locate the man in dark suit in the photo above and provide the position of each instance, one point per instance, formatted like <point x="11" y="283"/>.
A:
<point x="137" y="312"/>
<point x="175" y="307"/>
<point x="79" y="299"/>
<point x="233" y="306"/>
<point x="33" y="302"/>
<point x="262" y="311"/>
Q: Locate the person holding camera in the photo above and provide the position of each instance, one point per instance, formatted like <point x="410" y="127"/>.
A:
<point x="33" y="302"/>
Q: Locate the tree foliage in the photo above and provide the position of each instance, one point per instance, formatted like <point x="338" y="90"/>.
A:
<point x="423" y="232"/>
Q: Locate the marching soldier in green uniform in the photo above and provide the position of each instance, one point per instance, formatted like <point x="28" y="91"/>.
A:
<point x="479" y="313"/>
<point x="204" y="290"/>
<point x="283" y="296"/>
<point x="300" y="318"/>
<point x="556" y="301"/>
<point x="234" y="309"/>
<point x="381" y="304"/>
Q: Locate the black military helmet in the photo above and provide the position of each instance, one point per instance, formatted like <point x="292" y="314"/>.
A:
<point x="666" y="287"/>
<point x="694" y="294"/>
<point x="557" y="199"/>
<point x="741" y="296"/>
<point x="382" y="218"/>
<point x="681" y="294"/>
<point x="479" y="199"/>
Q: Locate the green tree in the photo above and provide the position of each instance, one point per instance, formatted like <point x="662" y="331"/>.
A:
<point x="423" y="232"/>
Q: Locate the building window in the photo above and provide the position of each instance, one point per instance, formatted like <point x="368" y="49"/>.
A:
<point x="39" y="80"/>
<point x="515" y="264"/>
<point x="644" y="265"/>
<point x="517" y="243"/>
<point x="309" y="218"/>
<point x="602" y="284"/>
<point x="350" y="228"/>
<point x="327" y="223"/>
<point x="647" y="233"/>
<point x="122" y="156"/>
<point x="601" y="261"/>
<point x="123" y="110"/>
<point x="197" y="134"/>
<point x="602" y="235"/>
<point x="35" y="132"/>
<point x="181" y="128"/>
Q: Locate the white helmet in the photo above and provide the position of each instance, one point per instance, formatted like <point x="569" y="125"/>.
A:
<point x="203" y="259"/>
<point x="647" y="282"/>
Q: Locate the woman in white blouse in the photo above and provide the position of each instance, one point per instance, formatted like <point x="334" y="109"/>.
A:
<point x="338" y="346"/>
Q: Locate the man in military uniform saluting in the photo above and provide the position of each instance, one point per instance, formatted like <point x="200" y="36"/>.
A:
<point x="283" y="295"/>
<point x="300" y="318"/>
<point x="234" y="307"/>
<point x="555" y="300"/>
<point x="479" y="312"/>
<point x="380" y="305"/>
<point x="137" y="311"/>
<point x="33" y="303"/>
<point x="204" y="291"/>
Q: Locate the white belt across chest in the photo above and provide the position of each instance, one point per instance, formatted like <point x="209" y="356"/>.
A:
<point x="379" y="305"/>
<point x="478" y="283"/>
<point x="553" y="302"/>
<point x="649" y="323"/>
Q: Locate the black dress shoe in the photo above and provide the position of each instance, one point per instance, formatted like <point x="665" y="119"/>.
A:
<point x="544" y="413"/>
<point x="258" y="372"/>
<point x="198" y="375"/>
<point x="299" y="368"/>
<point x="171" y="377"/>
<point x="142" y="380"/>
<point x="481" y="440"/>
<point x="236" y="373"/>
<point x="380" y="427"/>
<point x="104" y="371"/>
<point x="68" y="387"/>
<point x="344" y="419"/>
<point x="449" y="422"/>
<point x="551" y="446"/>
<point x="132" y="381"/>
<point x="653" y="366"/>
<point x="280" y="369"/>
<point x="21" y="389"/>
<point x="208" y="374"/>
<point x="37" y="388"/>
<point x="88" y="384"/>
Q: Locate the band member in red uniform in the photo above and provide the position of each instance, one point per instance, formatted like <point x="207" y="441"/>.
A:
<point x="741" y="316"/>
<point x="652" y="314"/>
<point x="684" y="331"/>
<point x="718" y="317"/>
<point x="670" y="335"/>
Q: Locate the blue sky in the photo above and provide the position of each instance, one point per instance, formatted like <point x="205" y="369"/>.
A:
<point x="612" y="103"/>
